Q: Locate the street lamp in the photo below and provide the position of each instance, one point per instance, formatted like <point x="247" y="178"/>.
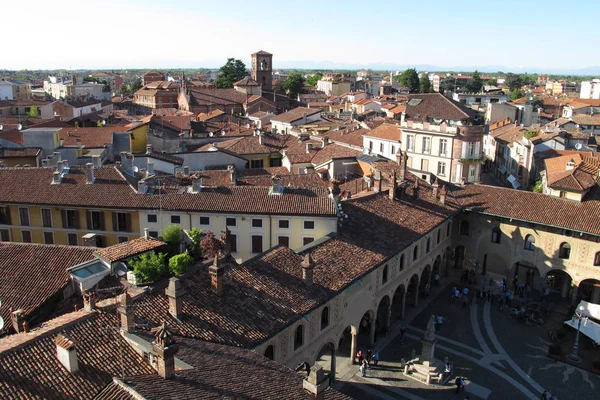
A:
<point x="579" y="315"/>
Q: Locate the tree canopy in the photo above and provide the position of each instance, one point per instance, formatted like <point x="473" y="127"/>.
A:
<point x="179" y="264"/>
<point x="233" y="71"/>
<point x="33" y="112"/>
<point x="516" y="94"/>
<point x="425" y="85"/>
<point x="293" y="84"/>
<point x="513" y="81"/>
<point x="172" y="237"/>
<point x="312" y="81"/>
<point x="149" y="267"/>
<point x="475" y="83"/>
<point x="409" y="79"/>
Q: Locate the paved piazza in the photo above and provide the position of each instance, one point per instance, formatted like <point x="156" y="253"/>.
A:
<point x="503" y="358"/>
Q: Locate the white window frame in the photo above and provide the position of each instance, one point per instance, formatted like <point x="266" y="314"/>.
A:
<point x="286" y="236"/>
<point x="234" y="225"/>
<point x="200" y="220"/>
<point x="51" y="217"/>
<point x="148" y="220"/>
<point x="262" y="225"/>
<point x="175" y="215"/>
<point x="426" y="148"/>
<point x="441" y="171"/>
<point x="51" y="233"/>
<point x="410" y="142"/>
<point x="284" y="219"/>
<point x="307" y="237"/>
<point x="443" y="147"/>
<point x="30" y="235"/>
<point x="76" y="239"/>
<point x="252" y="234"/>
<point x="309" y="229"/>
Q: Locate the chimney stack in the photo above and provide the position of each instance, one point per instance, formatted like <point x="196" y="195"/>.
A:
<point x="186" y="170"/>
<point x="89" y="300"/>
<point x="276" y="187"/>
<point x="379" y="181"/>
<point x="56" y="177"/>
<point x="217" y="272"/>
<point x="197" y="184"/>
<point x="175" y="293"/>
<point x="416" y="188"/>
<point x="141" y="187"/>
<point x="146" y="233"/>
<point x="57" y="156"/>
<point x="18" y="318"/>
<point x="393" y="187"/>
<point x="96" y="161"/>
<point x="226" y="239"/>
<point x="232" y="174"/>
<point x="399" y="157"/>
<point x="443" y="195"/>
<point x="308" y="264"/>
<point x="126" y="313"/>
<point x="316" y="383"/>
<point x="260" y="138"/>
<point x="308" y="147"/>
<point x="436" y="188"/>
<point x="149" y="168"/>
<point x="78" y="142"/>
<point x="148" y="148"/>
<point x="66" y="352"/>
<point x="165" y="348"/>
<point x="89" y="173"/>
<point x="403" y="165"/>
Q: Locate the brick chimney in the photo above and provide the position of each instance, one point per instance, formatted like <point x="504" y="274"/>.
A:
<point x="217" y="276"/>
<point x="89" y="300"/>
<point x="436" y="188"/>
<point x="96" y="161"/>
<point x="126" y="313"/>
<point x="148" y="148"/>
<point x="165" y="348"/>
<point x="308" y="264"/>
<point x="393" y="187"/>
<point x="18" y="318"/>
<point x="66" y="352"/>
<point x="175" y="292"/>
<point x="416" y="188"/>
<point x="443" y="195"/>
<point x="403" y="164"/>
<point x="89" y="173"/>
<point x="379" y="181"/>
<point x="316" y="383"/>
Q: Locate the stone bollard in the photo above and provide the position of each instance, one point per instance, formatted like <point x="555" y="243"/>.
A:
<point x="406" y="369"/>
<point x="402" y="363"/>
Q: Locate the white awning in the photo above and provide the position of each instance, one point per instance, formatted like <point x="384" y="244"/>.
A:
<point x="589" y="328"/>
<point x="591" y="309"/>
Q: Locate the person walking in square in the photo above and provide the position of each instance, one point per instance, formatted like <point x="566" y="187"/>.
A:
<point x="363" y="368"/>
<point x="369" y="356"/>
<point x="360" y="356"/>
<point x="376" y="358"/>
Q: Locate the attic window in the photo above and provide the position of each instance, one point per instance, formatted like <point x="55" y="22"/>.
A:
<point x="414" y="102"/>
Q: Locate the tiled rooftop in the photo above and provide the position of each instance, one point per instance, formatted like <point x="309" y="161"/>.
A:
<point x="32" y="273"/>
<point x="387" y="132"/>
<point x="129" y="249"/>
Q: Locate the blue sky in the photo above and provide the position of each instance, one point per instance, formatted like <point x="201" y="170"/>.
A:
<point x="184" y="33"/>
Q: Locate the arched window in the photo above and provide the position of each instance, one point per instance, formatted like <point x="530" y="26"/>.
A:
<point x="530" y="242"/>
<point x="384" y="278"/>
<point x="428" y="246"/>
<point x="402" y="262"/>
<point x="325" y="318"/>
<point x="565" y="251"/>
<point x="270" y="352"/>
<point x="597" y="259"/>
<point x="299" y="337"/>
<point x="464" y="228"/>
<point x="438" y="237"/>
<point x="496" y="234"/>
<point x="415" y="253"/>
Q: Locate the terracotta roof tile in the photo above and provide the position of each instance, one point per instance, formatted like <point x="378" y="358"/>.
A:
<point x="387" y="132"/>
<point x="19" y="152"/>
<point x="90" y="137"/>
<point x="436" y="105"/>
<point x="128" y="249"/>
<point x="12" y="135"/>
<point x="32" y="273"/>
<point x="296" y="114"/>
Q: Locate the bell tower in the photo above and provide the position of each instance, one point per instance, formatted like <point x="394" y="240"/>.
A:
<point x="262" y="69"/>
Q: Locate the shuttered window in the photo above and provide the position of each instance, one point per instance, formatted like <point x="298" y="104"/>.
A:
<point x="121" y="222"/>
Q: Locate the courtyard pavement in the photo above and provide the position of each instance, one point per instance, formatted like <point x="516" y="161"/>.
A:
<point x="499" y="357"/>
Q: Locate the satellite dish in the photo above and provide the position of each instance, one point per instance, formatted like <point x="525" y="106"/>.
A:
<point x="19" y="127"/>
<point x="136" y="169"/>
<point x="1" y="127"/>
<point x="578" y="146"/>
<point x="103" y="122"/>
<point x="210" y="134"/>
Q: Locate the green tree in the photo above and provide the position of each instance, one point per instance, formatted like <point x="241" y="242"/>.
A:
<point x="425" y="85"/>
<point x="195" y="248"/>
<point x="33" y="112"/>
<point x="136" y="85"/>
<point x="516" y="94"/>
<point x="475" y="83"/>
<point x="172" y="237"/>
<point x="409" y="79"/>
<point x="528" y="79"/>
<point x="447" y="85"/>
<point x="491" y="82"/>
<point x="179" y="264"/>
<point x="312" y="81"/>
<point x="539" y="186"/>
<point x="149" y="267"/>
<point x="124" y="90"/>
<point x="293" y="84"/>
<point x="233" y="71"/>
<point x="513" y="81"/>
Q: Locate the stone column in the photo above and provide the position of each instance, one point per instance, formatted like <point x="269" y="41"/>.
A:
<point x="573" y="296"/>
<point x="372" y="331"/>
<point x="332" y="380"/>
<point x="403" y="305"/>
<point x="353" y="331"/>
<point x="388" y="321"/>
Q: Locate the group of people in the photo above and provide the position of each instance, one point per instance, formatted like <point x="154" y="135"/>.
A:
<point x="365" y="360"/>
<point x="468" y="276"/>
<point x="461" y="296"/>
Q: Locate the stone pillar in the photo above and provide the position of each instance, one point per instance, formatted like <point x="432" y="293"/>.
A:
<point x="353" y="331"/>
<point x="417" y="295"/>
<point x="372" y="330"/>
<point x="332" y="380"/>
<point x="564" y="291"/>
<point x="573" y="296"/>
<point x="403" y="305"/>
<point x="388" y="320"/>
